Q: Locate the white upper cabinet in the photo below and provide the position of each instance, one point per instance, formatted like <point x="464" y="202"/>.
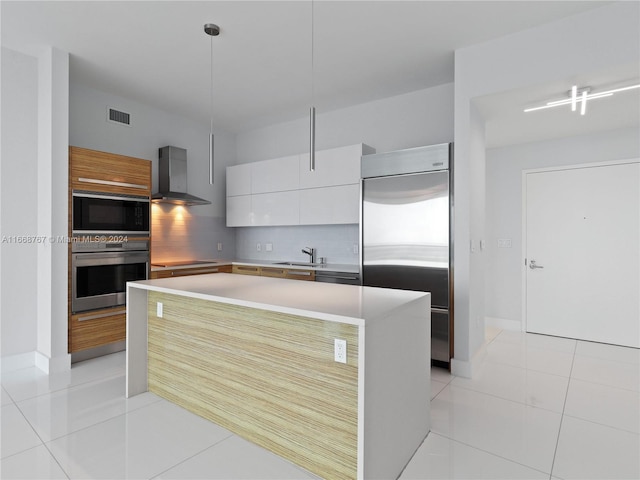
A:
<point x="239" y="212"/>
<point x="239" y="180"/>
<point x="336" y="166"/>
<point x="277" y="208"/>
<point x="283" y="191"/>
<point x="277" y="175"/>
<point x="330" y="205"/>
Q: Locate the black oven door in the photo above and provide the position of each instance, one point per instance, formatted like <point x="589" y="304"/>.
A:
<point x="97" y="213"/>
<point x="99" y="280"/>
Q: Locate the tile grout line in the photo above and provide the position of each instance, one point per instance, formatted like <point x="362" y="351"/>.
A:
<point x="42" y="443"/>
<point x="488" y="452"/>
<point x="192" y="456"/>
<point x="564" y="406"/>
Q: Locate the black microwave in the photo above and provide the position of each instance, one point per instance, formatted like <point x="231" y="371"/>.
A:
<point x="97" y="213"/>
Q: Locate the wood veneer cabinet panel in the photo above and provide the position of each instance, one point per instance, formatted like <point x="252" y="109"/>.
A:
<point x="295" y="274"/>
<point x="292" y="274"/>
<point x="109" y="173"/>
<point x="96" y="328"/>
<point x="246" y="270"/>
<point x="267" y="376"/>
<point x="181" y="272"/>
<point x="273" y="272"/>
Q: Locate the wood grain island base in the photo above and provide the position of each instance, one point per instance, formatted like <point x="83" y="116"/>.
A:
<point x="255" y="355"/>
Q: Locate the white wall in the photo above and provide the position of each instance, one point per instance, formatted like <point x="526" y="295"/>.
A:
<point x="52" y="210"/>
<point x="414" y="119"/>
<point x="594" y="41"/>
<point x="504" y="205"/>
<point x="151" y="129"/>
<point x="18" y="189"/>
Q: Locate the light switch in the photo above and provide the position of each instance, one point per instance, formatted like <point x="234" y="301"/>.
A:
<point x="258" y="247"/>
<point x="219" y="246"/>
<point x="159" y="310"/>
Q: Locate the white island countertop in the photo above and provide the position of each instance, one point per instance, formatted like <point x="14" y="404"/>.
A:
<point x="349" y="304"/>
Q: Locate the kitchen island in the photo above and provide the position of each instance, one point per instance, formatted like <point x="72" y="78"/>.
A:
<point x="257" y="356"/>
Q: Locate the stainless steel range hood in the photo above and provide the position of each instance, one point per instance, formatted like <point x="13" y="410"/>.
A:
<point x="172" y="178"/>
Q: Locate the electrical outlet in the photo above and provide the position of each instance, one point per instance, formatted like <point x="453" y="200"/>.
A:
<point x="268" y="247"/>
<point x="258" y="247"/>
<point x="355" y="249"/>
<point x="219" y="246"/>
<point x="159" y="309"/>
<point x="340" y="350"/>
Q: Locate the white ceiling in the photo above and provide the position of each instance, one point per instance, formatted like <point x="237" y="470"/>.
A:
<point x="157" y="53"/>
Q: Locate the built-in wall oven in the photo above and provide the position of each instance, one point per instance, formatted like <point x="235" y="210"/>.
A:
<point x="110" y="247"/>
<point x="100" y="272"/>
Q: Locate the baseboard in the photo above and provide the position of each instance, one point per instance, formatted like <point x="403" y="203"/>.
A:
<point x="504" y="324"/>
<point x="61" y="363"/>
<point x="11" y="363"/>
<point x="468" y="368"/>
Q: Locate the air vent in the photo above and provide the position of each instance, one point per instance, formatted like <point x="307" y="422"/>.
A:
<point x="117" y="116"/>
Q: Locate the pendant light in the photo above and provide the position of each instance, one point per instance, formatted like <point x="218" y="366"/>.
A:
<point x="212" y="30"/>
<point x="312" y="110"/>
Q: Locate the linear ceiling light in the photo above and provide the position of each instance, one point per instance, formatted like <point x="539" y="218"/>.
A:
<point x="581" y="95"/>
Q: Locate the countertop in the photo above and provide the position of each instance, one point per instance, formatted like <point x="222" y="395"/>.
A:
<point x="350" y="304"/>
<point x="328" y="267"/>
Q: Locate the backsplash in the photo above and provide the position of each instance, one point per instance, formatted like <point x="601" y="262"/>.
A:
<point x="178" y="234"/>
<point x="338" y="243"/>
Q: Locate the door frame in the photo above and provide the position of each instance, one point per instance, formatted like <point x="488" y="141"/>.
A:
<point x="523" y="257"/>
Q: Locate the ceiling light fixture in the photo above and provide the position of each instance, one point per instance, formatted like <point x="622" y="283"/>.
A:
<point x="212" y="30"/>
<point x="581" y="95"/>
<point x="312" y="110"/>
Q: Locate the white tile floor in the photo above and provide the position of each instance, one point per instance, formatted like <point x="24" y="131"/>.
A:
<point x="539" y="407"/>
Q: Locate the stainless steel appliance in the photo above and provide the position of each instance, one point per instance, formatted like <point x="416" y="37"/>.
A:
<point x="100" y="272"/>
<point x="406" y="231"/>
<point x="172" y="178"/>
<point x="345" y="278"/>
<point x="110" y="214"/>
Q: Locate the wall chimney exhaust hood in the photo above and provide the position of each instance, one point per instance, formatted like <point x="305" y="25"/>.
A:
<point x="172" y="178"/>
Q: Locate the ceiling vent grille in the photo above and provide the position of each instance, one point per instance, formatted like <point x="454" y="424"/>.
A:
<point x="117" y="116"/>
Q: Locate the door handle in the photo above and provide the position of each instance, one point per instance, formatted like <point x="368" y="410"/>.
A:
<point x="533" y="266"/>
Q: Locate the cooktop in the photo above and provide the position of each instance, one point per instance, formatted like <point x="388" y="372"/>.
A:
<point x="182" y="263"/>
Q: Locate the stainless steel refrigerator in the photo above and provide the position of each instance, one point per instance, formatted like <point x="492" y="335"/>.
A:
<point x="406" y="231"/>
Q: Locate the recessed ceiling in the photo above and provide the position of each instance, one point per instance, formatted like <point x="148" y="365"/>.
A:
<point x="157" y="53"/>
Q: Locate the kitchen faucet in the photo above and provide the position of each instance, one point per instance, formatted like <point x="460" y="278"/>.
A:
<point x="311" y="252"/>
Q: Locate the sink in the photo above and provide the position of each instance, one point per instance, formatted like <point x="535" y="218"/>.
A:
<point x="298" y="264"/>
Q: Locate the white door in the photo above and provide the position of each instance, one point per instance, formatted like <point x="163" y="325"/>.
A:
<point x="582" y="248"/>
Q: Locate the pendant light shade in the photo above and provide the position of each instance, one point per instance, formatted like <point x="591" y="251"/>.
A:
<point x="212" y="30"/>
<point x="312" y="110"/>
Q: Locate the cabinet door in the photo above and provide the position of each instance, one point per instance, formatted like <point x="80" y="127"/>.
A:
<point x="239" y="180"/>
<point x="277" y="175"/>
<point x="336" y="166"/>
<point x="239" y="211"/>
<point x="245" y="270"/>
<point x="330" y="205"/>
<point x="280" y="208"/>
<point x="108" y="172"/>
